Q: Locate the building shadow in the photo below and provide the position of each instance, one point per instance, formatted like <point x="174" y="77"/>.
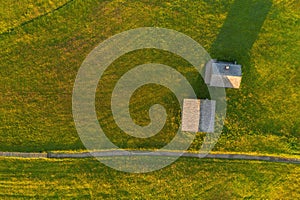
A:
<point x="240" y="30"/>
<point x="234" y="43"/>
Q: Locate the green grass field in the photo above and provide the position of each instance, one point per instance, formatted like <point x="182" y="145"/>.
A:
<point x="192" y="178"/>
<point x="43" y="43"/>
<point x="39" y="61"/>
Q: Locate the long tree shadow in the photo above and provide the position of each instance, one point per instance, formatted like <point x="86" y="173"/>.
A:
<point x="240" y="30"/>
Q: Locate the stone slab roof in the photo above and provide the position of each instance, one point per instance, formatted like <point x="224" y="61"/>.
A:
<point x="223" y="74"/>
<point x="198" y="115"/>
<point x="220" y="69"/>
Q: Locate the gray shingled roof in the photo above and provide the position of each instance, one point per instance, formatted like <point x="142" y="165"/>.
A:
<point x="198" y="115"/>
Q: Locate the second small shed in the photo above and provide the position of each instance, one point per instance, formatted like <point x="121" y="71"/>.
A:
<point x="198" y="115"/>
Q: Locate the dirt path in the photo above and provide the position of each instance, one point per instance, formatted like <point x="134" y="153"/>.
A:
<point x="148" y="153"/>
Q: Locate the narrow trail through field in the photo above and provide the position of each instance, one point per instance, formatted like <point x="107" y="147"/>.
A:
<point x="11" y="29"/>
<point x="113" y="153"/>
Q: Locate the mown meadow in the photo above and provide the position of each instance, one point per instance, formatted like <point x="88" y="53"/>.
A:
<point x="187" y="178"/>
<point x="44" y="42"/>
